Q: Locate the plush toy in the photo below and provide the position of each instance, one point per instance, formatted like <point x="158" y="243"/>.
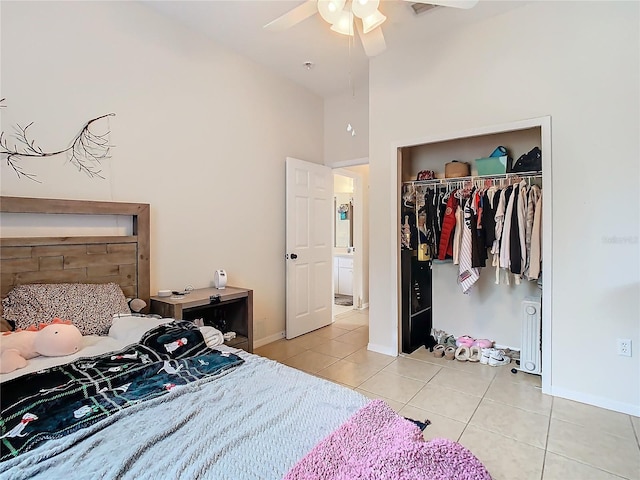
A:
<point x="136" y="305"/>
<point x="59" y="338"/>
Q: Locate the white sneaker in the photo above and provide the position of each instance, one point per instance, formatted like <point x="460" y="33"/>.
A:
<point x="486" y="354"/>
<point x="498" y="358"/>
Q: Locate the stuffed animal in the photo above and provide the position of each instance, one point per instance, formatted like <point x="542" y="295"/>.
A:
<point x="59" y="338"/>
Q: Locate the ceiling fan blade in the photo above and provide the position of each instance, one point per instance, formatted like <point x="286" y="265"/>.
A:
<point x="293" y="17"/>
<point x="373" y="42"/>
<point x="465" y="4"/>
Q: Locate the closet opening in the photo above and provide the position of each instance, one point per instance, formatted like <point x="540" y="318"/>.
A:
<point x="436" y="297"/>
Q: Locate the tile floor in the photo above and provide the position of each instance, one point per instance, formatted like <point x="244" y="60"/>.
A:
<point x="504" y="419"/>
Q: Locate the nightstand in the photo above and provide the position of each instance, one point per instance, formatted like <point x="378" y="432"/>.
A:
<point x="229" y="310"/>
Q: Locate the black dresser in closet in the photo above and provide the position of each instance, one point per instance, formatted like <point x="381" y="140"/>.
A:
<point x="416" y="302"/>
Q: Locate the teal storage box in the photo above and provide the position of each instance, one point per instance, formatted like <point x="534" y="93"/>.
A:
<point x="492" y="165"/>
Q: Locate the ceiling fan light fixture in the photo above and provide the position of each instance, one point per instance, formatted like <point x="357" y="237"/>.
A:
<point x="364" y="8"/>
<point x="344" y="24"/>
<point x="373" y="21"/>
<point x="330" y="10"/>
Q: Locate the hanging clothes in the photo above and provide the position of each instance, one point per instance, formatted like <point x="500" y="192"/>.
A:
<point x="490" y="205"/>
<point x="471" y="223"/>
<point x="448" y="226"/>
<point x="522" y="224"/>
<point x="468" y="275"/>
<point x="515" y="261"/>
<point x="478" y="246"/>
<point x="505" y="242"/>
<point x="457" y="234"/>
<point x="534" y="194"/>
<point x="536" y="242"/>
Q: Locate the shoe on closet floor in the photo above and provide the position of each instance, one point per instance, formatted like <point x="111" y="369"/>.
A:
<point x="498" y="358"/>
<point x="462" y="353"/>
<point x="485" y="354"/>
<point x="450" y="353"/>
<point x="474" y="354"/>
<point x="438" y="351"/>
<point x="465" y="341"/>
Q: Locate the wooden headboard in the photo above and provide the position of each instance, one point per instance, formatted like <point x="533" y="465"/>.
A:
<point x="122" y="259"/>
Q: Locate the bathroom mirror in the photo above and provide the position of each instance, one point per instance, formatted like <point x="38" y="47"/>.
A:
<point x="343" y="220"/>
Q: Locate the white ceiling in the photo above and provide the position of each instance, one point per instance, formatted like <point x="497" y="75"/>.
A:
<point x="237" y="24"/>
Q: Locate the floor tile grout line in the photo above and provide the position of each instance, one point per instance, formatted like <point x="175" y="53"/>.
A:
<point x="546" y="441"/>
<point x="600" y="469"/>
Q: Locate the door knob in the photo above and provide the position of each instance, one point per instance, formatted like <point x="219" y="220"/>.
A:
<point x="293" y="256"/>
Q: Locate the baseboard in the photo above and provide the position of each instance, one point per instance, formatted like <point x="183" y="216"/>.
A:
<point x="364" y="306"/>
<point x="597" y="401"/>
<point x="270" y="339"/>
<point x="382" y="349"/>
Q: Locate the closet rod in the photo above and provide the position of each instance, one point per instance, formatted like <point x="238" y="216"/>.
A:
<point x="444" y="181"/>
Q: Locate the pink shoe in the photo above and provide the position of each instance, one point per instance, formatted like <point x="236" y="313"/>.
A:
<point x="464" y="341"/>
<point x="482" y="343"/>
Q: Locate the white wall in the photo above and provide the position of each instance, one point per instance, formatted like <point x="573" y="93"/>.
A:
<point x="579" y="63"/>
<point x="200" y="133"/>
<point x="339" y="111"/>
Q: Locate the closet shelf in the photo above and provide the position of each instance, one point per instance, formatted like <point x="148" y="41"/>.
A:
<point x="473" y="178"/>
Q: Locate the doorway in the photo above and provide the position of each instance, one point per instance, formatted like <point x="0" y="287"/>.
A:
<point x="350" y="239"/>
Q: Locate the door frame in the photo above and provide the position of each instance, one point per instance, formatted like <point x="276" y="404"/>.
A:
<point x="395" y="157"/>
<point x="358" y="241"/>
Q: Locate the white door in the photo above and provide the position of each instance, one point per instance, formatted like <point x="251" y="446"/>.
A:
<point x="309" y="192"/>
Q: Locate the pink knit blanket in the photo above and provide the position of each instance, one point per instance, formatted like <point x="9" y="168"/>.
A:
<point x="376" y="443"/>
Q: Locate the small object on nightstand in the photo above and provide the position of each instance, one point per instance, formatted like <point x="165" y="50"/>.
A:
<point x="220" y="279"/>
<point x="229" y="336"/>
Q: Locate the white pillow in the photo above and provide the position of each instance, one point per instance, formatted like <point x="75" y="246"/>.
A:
<point x="129" y="328"/>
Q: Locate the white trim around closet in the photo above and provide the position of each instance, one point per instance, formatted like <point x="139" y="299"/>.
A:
<point x="544" y="123"/>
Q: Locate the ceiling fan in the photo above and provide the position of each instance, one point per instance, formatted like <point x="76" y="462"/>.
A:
<point x="345" y="16"/>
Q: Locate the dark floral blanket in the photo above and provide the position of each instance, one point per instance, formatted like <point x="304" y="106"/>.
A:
<point x="54" y="402"/>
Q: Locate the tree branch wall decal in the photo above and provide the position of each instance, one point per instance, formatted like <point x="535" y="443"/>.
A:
<point x="86" y="151"/>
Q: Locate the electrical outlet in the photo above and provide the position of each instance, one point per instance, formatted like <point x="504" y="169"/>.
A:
<point x="624" y="347"/>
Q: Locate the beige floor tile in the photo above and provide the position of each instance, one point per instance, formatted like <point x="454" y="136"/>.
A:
<point x="396" y="406"/>
<point x="505" y="459"/>
<point x="519" y="395"/>
<point x="408" y="367"/>
<point x="474" y="368"/>
<point x="592" y="446"/>
<point x="310" y="361"/>
<point x="307" y="341"/>
<point x="464" y="382"/>
<point x="372" y="358"/>
<point x="328" y="332"/>
<point x="357" y="337"/>
<point x="446" y="402"/>
<point x="635" y="421"/>
<point x="504" y="372"/>
<point x="351" y="321"/>
<point x="557" y="467"/>
<point x="423" y="354"/>
<point x="338" y="310"/>
<point x="335" y="348"/>
<point x="349" y="373"/>
<point x="593" y="417"/>
<point x="279" y="350"/>
<point x="512" y="422"/>
<point x="440" y="427"/>
<point x="395" y="387"/>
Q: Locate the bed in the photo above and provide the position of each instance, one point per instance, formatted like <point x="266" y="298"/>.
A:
<point x="134" y="408"/>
